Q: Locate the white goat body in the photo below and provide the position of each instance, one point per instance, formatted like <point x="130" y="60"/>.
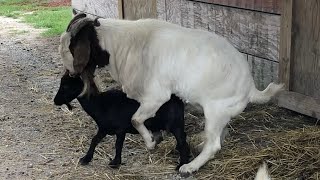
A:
<point x="153" y="59"/>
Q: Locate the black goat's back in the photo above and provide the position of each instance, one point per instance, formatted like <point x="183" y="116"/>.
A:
<point x="117" y="110"/>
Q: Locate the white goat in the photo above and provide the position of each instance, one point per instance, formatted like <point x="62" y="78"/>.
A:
<point x="262" y="173"/>
<point x="153" y="59"/>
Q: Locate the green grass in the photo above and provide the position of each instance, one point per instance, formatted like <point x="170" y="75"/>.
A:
<point x="53" y="19"/>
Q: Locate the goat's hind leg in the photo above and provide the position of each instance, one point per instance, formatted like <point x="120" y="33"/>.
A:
<point x="146" y="111"/>
<point x="215" y="122"/>
<point x="116" y="162"/>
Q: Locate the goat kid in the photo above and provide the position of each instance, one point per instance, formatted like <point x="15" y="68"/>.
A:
<point x="112" y="111"/>
<point x="153" y="59"/>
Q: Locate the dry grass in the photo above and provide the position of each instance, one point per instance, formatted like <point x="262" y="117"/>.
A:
<point x="288" y="142"/>
<point x="291" y="153"/>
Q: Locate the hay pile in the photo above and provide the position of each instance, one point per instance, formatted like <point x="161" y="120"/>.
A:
<point x="291" y="153"/>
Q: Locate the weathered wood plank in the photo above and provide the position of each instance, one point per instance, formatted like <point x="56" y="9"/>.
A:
<point x="305" y="58"/>
<point x="300" y="103"/>
<point x="253" y="33"/>
<point x="285" y="43"/>
<point x="201" y="16"/>
<point x="139" y="9"/>
<point x="263" y="71"/>
<point x="173" y="8"/>
<point x="120" y="9"/>
<point x="270" y="6"/>
<point x="102" y="8"/>
<point x="161" y="10"/>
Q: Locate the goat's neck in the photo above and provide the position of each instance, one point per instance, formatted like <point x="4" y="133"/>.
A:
<point x="90" y="101"/>
<point x="124" y="41"/>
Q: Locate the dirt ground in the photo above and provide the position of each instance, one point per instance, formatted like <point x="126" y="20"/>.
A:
<point x="41" y="141"/>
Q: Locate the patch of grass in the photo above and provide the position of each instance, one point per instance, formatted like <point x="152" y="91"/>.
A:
<point x="54" y="19"/>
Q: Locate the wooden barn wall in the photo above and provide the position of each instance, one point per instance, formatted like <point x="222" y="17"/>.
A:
<point x="270" y="6"/>
<point x="254" y="33"/>
<point x="101" y="8"/>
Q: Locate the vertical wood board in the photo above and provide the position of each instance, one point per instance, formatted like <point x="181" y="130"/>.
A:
<point x="173" y="11"/>
<point x="139" y="9"/>
<point x="285" y="43"/>
<point x="101" y="8"/>
<point x="263" y="71"/>
<point x="305" y="58"/>
<point x="161" y="10"/>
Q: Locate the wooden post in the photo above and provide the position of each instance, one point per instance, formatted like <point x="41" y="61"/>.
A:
<point x="138" y="9"/>
<point x="285" y="42"/>
<point x="300" y="56"/>
<point x="120" y="9"/>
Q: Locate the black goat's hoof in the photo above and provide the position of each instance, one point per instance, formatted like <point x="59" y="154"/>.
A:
<point x="84" y="160"/>
<point x="157" y="137"/>
<point x="115" y="164"/>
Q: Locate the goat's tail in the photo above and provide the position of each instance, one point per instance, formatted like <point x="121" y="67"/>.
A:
<point x="264" y="96"/>
<point x="263" y="173"/>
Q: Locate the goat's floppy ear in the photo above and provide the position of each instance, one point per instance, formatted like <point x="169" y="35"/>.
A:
<point x="81" y="54"/>
<point x="75" y="19"/>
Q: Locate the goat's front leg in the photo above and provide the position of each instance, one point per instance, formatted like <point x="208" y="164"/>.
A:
<point x="146" y="111"/>
<point x="116" y="162"/>
<point x="94" y="142"/>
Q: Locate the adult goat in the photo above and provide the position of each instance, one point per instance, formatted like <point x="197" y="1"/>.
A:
<point x="153" y="59"/>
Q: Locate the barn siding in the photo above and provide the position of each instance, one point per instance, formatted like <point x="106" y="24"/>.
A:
<point x="101" y="8"/>
<point x="269" y="6"/>
<point x="254" y="33"/>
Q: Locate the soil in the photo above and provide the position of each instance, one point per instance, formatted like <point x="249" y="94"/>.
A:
<point x="42" y="141"/>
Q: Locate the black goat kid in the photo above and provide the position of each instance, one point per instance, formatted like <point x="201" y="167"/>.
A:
<point x="112" y="111"/>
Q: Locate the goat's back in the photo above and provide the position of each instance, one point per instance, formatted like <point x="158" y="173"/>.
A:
<point x="117" y="110"/>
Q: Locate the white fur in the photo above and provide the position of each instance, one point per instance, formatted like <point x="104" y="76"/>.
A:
<point x="263" y="173"/>
<point x="152" y="59"/>
<point x="65" y="53"/>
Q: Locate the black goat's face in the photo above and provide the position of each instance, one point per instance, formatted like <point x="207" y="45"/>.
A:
<point x="70" y="88"/>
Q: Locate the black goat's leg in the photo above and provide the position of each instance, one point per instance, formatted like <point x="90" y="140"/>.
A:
<point x="182" y="146"/>
<point x="94" y="142"/>
<point x="116" y="162"/>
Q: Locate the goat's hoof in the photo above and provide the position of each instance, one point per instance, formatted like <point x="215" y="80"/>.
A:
<point x="84" y="160"/>
<point x="151" y="145"/>
<point x="181" y="164"/>
<point x="186" y="170"/>
<point x="115" y="164"/>
<point x="157" y="137"/>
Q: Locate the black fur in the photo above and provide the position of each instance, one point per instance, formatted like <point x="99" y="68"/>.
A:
<point x="98" y="56"/>
<point x="112" y="111"/>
